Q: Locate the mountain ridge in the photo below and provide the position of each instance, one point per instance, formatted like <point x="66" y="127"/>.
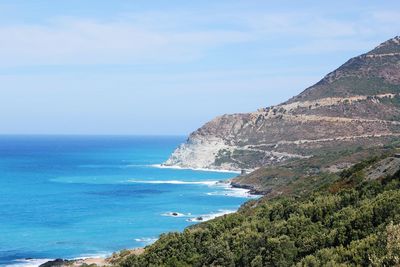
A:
<point x="357" y="104"/>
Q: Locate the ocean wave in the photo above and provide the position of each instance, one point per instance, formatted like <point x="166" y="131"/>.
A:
<point x="101" y="255"/>
<point x="28" y="262"/>
<point x="233" y="192"/>
<point x="209" y="183"/>
<point x="176" y="214"/>
<point x="198" y="218"/>
<point x="230" y="191"/>
<point x="146" y="240"/>
<point x="160" y="166"/>
<point x="38" y="262"/>
<point x="210" y="216"/>
<point x="226" y="188"/>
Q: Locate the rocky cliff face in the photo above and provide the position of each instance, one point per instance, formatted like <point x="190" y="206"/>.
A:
<point x="356" y="105"/>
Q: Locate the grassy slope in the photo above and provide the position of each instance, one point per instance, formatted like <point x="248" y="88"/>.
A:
<point x="299" y="176"/>
<point x="345" y="221"/>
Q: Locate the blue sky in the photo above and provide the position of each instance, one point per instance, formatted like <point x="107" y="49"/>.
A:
<point x="166" y="67"/>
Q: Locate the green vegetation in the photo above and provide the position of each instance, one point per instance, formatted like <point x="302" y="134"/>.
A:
<point x="366" y="85"/>
<point x="297" y="177"/>
<point x="348" y="222"/>
<point x="354" y="83"/>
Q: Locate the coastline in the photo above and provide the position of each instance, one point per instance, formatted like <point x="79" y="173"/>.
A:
<point x="246" y="192"/>
<point x="251" y="189"/>
<point x="97" y="261"/>
<point x="107" y="261"/>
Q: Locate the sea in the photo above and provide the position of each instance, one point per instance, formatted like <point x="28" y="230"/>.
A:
<point x="89" y="196"/>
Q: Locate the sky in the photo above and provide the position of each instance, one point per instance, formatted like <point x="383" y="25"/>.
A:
<point x="166" y="67"/>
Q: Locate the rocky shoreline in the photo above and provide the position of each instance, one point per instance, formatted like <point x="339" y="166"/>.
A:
<point x="252" y="189"/>
<point x="89" y="261"/>
<point x="77" y="262"/>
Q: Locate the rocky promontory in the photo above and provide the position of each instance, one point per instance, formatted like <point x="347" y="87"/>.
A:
<point x="357" y="105"/>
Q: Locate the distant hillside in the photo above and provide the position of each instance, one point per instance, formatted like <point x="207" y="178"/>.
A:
<point x="376" y="72"/>
<point x="357" y="105"/>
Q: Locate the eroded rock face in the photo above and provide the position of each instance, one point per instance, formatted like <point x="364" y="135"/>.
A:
<point x="199" y="152"/>
<point x="356" y="105"/>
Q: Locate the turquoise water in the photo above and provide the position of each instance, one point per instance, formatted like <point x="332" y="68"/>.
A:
<point x="77" y="196"/>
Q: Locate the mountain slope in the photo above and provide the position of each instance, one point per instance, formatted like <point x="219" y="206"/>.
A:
<point x="353" y="221"/>
<point x="356" y="105"/>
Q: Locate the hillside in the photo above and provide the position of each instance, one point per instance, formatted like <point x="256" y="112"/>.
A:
<point x="353" y="220"/>
<point x="356" y="105"/>
<point x="300" y="176"/>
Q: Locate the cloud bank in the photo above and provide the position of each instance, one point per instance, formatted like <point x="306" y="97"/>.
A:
<point x="145" y="38"/>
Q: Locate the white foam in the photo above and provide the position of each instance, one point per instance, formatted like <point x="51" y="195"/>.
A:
<point x="93" y="256"/>
<point x="146" y="240"/>
<point x="28" y="262"/>
<point x="231" y="191"/>
<point x="227" y="189"/>
<point x="209" y="183"/>
<point x="161" y="166"/>
<point x="38" y="262"/>
<point x="176" y="214"/>
<point x="210" y="216"/>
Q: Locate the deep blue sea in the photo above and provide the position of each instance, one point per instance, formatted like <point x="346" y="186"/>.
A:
<point x="80" y="196"/>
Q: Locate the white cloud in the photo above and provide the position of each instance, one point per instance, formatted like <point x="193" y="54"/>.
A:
<point x="184" y="36"/>
<point x="88" y="41"/>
